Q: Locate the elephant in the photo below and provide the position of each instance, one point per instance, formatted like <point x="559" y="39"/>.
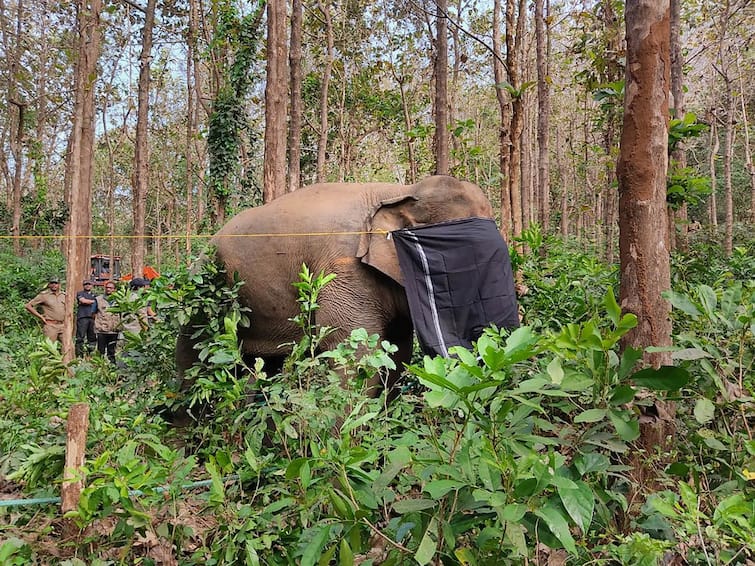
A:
<point x="339" y="228"/>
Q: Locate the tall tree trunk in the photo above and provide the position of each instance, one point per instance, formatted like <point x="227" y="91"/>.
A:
<point x="276" y="95"/>
<point x="561" y="169"/>
<point x="728" y="159"/>
<point x="642" y="169"/>
<point x="714" y="147"/>
<point x="441" y="89"/>
<point x="192" y="78"/>
<point x="643" y="229"/>
<point x="79" y="164"/>
<point x="679" y="155"/>
<point x="295" y="119"/>
<point x="411" y="159"/>
<point x="17" y="150"/>
<point x="504" y="140"/>
<point x="17" y="135"/>
<point x="322" y="144"/>
<point x="542" y="9"/>
<point x="749" y="166"/>
<point x="516" y="16"/>
<point x="141" y="149"/>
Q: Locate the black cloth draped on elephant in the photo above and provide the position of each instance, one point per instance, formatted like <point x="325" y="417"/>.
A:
<point x="458" y="280"/>
<point x="340" y="228"/>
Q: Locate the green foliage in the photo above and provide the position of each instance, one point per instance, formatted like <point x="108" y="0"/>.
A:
<point x="236" y="41"/>
<point x="682" y="185"/>
<point x="509" y="452"/>
<point x="565" y="283"/>
<point x="21" y="278"/>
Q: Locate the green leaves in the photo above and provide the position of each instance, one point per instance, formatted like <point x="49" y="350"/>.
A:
<point x="665" y="378"/>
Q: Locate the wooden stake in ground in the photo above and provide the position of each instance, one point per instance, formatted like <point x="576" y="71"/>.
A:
<point x="76" y="442"/>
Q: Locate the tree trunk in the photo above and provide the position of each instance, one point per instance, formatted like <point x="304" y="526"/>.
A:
<point x="749" y="166"/>
<point x="516" y="16"/>
<point x="141" y="149"/>
<point x="441" y="89"/>
<point x="679" y="155"/>
<point x="412" y="161"/>
<point x="504" y="131"/>
<point x="276" y="95"/>
<point x="714" y="147"/>
<point x="295" y="119"/>
<point x="322" y="144"/>
<point x="728" y="159"/>
<point x="79" y="164"/>
<point x="17" y="134"/>
<point x="641" y="169"/>
<point x="192" y="104"/>
<point x="543" y="113"/>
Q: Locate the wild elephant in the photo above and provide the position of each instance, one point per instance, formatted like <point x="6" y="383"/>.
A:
<point x="339" y="228"/>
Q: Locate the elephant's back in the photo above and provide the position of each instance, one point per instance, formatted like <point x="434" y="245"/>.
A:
<point x="316" y="208"/>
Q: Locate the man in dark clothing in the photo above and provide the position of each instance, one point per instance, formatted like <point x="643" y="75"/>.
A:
<point x="86" y="306"/>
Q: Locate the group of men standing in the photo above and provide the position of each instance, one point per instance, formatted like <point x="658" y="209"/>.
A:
<point x="96" y="323"/>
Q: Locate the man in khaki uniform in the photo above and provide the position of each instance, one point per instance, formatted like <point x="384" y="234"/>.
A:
<point x="49" y="307"/>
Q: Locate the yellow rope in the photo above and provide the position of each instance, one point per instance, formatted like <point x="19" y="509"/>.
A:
<point x="191" y="236"/>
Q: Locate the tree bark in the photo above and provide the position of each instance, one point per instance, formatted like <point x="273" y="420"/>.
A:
<point x="77" y="427"/>
<point x="728" y="159"/>
<point x="79" y="163"/>
<point x="192" y="103"/>
<point x="504" y="139"/>
<point x="749" y="166"/>
<point x="295" y="119"/>
<point x="642" y="169"/>
<point x="441" y="89"/>
<point x="714" y="147"/>
<point x="141" y="149"/>
<point x="322" y="144"/>
<point x="17" y="136"/>
<point x="516" y="16"/>
<point x="276" y="95"/>
<point x="543" y="113"/>
<point x="679" y="155"/>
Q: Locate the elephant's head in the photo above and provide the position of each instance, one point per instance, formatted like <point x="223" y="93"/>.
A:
<point x="433" y="200"/>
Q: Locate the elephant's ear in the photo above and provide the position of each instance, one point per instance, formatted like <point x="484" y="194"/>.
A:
<point x="376" y="249"/>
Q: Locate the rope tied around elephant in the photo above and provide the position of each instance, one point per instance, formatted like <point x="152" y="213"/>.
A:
<point x="194" y="236"/>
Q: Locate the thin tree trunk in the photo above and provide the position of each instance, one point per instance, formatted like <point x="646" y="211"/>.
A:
<point x="728" y="159"/>
<point x="749" y="166"/>
<point x="441" y="89"/>
<point x="542" y="40"/>
<point x="322" y="144"/>
<point x="191" y="118"/>
<point x="276" y="95"/>
<point x="412" y="161"/>
<point x="504" y="139"/>
<point x="561" y="171"/>
<point x="679" y="155"/>
<point x="141" y="149"/>
<point x="295" y="119"/>
<point x="17" y="136"/>
<point x="516" y="16"/>
<point x="714" y="147"/>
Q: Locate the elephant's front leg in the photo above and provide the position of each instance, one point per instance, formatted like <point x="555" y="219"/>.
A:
<point x="378" y="305"/>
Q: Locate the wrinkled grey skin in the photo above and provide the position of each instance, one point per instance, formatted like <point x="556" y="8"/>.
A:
<point x="335" y="228"/>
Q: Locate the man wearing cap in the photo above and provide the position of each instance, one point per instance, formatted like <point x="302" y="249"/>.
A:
<point x="86" y="306"/>
<point x="49" y="307"/>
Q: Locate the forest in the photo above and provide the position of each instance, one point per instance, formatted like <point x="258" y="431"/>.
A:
<point x="613" y="426"/>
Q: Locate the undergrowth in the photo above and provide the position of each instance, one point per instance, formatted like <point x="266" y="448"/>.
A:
<point x="515" y="452"/>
